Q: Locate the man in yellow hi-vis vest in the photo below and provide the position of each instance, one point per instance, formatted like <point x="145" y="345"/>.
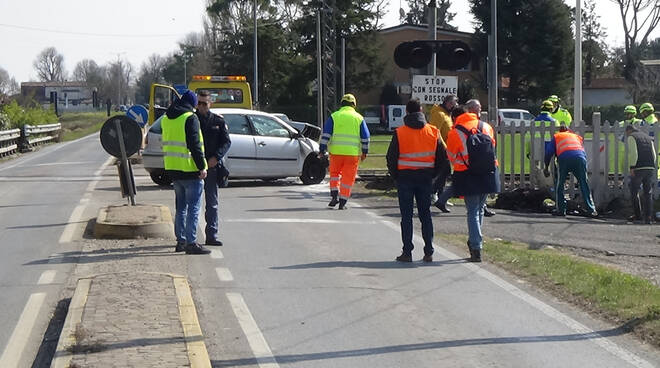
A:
<point x="183" y="149"/>
<point x="346" y="137"/>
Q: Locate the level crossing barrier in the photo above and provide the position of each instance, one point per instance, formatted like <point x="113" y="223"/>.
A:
<point x="9" y="141"/>
<point x="39" y="134"/>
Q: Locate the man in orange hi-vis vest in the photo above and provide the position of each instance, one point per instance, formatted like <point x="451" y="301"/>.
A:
<point x="475" y="171"/>
<point x="571" y="158"/>
<point x="415" y="156"/>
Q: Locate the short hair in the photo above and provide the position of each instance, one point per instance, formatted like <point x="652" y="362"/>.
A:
<point x="457" y="111"/>
<point x="413" y="105"/>
<point x="204" y="93"/>
<point x="473" y="105"/>
<point x="448" y="98"/>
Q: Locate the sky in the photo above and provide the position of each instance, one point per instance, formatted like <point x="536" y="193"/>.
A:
<point x="132" y="30"/>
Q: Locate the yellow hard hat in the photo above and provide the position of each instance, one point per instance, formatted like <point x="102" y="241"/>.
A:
<point x="349" y="98"/>
<point x="630" y="109"/>
<point x="547" y="105"/>
<point x="553" y="98"/>
<point x="646" y="106"/>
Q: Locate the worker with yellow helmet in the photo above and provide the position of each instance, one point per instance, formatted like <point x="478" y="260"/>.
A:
<point x="559" y="113"/>
<point x="646" y="111"/>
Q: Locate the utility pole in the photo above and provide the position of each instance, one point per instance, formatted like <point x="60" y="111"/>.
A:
<point x="319" y="71"/>
<point x="256" y="64"/>
<point x="433" y="34"/>
<point x="493" y="82"/>
<point x="577" y="98"/>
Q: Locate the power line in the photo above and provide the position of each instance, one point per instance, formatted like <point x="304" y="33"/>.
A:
<point x="89" y="34"/>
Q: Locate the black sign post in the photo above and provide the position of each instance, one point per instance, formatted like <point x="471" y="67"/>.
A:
<point x="121" y="137"/>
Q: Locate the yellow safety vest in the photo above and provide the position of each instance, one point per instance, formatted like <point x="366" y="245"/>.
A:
<point x="177" y="156"/>
<point x="345" y="132"/>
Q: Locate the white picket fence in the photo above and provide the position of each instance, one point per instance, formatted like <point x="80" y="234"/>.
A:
<point x="521" y="158"/>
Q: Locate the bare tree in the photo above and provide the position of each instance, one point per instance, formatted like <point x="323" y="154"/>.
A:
<point x="639" y="18"/>
<point x="119" y="75"/>
<point x="49" y="65"/>
<point x="594" y="47"/>
<point x="8" y="86"/>
<point x="88" y="71"/>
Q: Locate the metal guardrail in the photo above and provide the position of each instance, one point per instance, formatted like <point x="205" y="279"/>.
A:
<point x="9" y="141"/>
<point x="23" y="139"/>
<point x="37" y="134"/>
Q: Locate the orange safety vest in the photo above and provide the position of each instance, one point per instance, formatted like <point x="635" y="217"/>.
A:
<point x="456" y="148"/>
<point x="567" y="141"/>
<point x="417" y="147"/>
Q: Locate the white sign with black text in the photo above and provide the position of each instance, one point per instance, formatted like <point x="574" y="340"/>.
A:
<point x="432" y="89"/>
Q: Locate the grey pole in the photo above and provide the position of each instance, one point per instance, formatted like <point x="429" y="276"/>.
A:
<point x="492" y="63"/>
<point x="185" y="72"/>
<point x="433" y="34"/>
<point x="577" y="98"/>
<point x="343" y="66"/>
<point x="319" y="71"/>
<point x="256" y="65"/>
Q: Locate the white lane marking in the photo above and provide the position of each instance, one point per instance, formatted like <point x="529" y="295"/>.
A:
<point x="19" y="338"/>
<point x="537" y="304"/>
<point x="217" y="254"/>
<point x="224" y="274"/>
<point x="62" y="178"/>
<point x="300" y="220"/>
<point x="48" y="152"/>
<point x="77" y="214"/>
<point x="255" y="338"/>
<point x="47" y="277"/>
<point x="66" y="163"/>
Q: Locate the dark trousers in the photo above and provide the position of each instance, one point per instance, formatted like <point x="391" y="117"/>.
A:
<point x="211" y="197"/>
<point x="419" y="190"/>
<point x="644" y="178"/>
<point x="440" y="181"/>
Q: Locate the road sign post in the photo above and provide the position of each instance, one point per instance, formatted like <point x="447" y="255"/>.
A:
<point x="121" y="137"/>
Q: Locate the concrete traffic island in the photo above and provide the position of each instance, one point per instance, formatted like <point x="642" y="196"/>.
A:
<point x="132" y="319"/>
<point x="134" y="222"/>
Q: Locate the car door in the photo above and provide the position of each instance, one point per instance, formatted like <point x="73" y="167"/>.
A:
<point x="278" y="153"/>
<point x="242" y="154"/>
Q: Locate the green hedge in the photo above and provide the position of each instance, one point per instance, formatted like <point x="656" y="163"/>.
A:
<point x="13" y="116"/>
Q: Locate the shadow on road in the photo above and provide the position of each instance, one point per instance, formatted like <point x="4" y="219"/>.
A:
<point x="369" y="264"/>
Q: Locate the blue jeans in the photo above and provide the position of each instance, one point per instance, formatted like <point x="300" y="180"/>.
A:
<point x="188" y="198"/>
<point x="211" y="197"/>
<point x="410" y="189"/>
<point x="474" y="205"/>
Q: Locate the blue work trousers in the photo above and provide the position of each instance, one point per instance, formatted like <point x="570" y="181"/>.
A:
<point x="474" y="204"/>
<point x="188" y="198"/>
<point x="419" y="190"/>
<point x="577" y="166"/>
<point x="211" y="199"/>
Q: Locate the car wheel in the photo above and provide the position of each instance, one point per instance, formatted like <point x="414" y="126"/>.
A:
<point x="161" y="178"/>
<point x="313" y="171"/>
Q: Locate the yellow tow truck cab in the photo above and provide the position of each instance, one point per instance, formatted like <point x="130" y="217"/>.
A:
<point x="226" y="91"/>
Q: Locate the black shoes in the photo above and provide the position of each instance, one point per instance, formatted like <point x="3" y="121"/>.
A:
<point x="489" y="213"/>
<point x="195" y="248"/>
<point x="442" y="207"/>
<point x="404" y="258"/>
<point x="342" y="204"/>
<point x="475" y="255"/>
<point x="333" y="202"/>
<point x="213" y="242"/>
<point x="427" y="258"/>
<point x="180" y="247"/>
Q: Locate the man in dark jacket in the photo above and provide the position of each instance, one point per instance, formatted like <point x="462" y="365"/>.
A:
<point x="642" y="162"/>
<point x="216" y="146"/>
<point x="415" y="156"/>
<point x="185" y="164"/>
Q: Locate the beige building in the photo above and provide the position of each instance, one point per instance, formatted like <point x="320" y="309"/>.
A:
<point x="402" y="78"/>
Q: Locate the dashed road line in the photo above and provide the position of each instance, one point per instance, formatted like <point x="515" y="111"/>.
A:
<point x="224" y="274"/>
<point x="255" y="338"/>
<point x="301" y="220"/>
<point x="19" y="338"/>
<point x="47" y="277"/>
<point x="217" y="254"/>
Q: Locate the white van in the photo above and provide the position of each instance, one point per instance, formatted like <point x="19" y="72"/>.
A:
<point x="515" y="117"/>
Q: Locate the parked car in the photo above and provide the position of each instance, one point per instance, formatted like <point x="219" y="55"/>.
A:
<point x="515" y="117"/>
<point x="262" y="147"/>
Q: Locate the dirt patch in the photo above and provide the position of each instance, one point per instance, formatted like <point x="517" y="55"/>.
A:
<point x="133" y="215"/>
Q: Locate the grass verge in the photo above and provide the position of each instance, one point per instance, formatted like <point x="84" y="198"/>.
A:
<point x="618" y="297"/>
<point x="77" y="125"/>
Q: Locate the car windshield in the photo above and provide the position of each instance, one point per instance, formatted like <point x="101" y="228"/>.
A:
<point x="224" y="95"/>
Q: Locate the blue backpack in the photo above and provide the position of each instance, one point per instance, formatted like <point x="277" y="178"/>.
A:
<point x="480" y="150"/>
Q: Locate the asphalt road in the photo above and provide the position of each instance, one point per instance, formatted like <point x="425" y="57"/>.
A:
<point x="40" y="191"/>
<point x="296" y="284"/>
<point x="301" y="285"/>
